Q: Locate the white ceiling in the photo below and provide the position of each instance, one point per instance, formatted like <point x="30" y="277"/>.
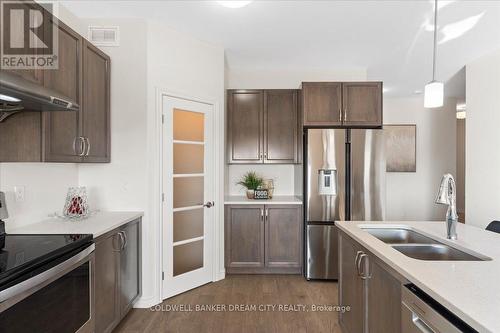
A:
<point x="388" y="38"/>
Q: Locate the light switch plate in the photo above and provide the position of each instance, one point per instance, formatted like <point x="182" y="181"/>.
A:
<point x="19" y="193"/>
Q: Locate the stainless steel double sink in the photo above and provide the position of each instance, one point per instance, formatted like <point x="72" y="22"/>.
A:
<point x="418" y="246"/>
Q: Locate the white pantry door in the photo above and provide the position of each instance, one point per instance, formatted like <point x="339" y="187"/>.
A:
<point x="188" y="188"/>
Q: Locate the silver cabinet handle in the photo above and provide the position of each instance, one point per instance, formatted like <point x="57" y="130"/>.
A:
<point x="74" y="145"/>
<point x="340" y="115"/>
<point x="82" y="146"/>
<point x="122" y="241"/>
<point x="345" y="114"/>
<point x="365" y="275"/>
<point x="88" y="146"/>
<point x="267" y="213"/>
<point x="262" y="214"/>
<point x="420" y="324"/>
<point x="357" y="262"/>
<point x="125" y="242"/>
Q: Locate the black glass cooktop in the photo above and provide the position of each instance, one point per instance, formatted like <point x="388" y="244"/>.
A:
<point x="21" y="253"/>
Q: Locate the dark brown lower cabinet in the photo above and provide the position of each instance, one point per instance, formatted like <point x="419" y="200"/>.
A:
<point x="283" y="236"/>
<point x="117" y="274"/>
<point x="263" y="239"/>
<point x="370" y="288"/>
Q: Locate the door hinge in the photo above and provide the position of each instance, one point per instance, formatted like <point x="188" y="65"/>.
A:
<point x="163" y="119"/>
<point x="163" y="197"/>
<point x="162" y="276"/>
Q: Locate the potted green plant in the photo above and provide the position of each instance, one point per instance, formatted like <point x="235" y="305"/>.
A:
<point x="251" y="181"/>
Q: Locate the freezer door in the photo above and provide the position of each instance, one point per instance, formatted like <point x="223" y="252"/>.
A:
<point x="322" y="261"/>
<point x="367" y="175"/>
<point x="325" y="175"/>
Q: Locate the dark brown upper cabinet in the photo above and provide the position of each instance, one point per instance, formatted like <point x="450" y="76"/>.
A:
<point x="245" y="128"/>
<point x="362" y="104"/>
<point x="61" y="129"/>
<point x="322" y="103"/>
<point x="342" y="104"/>
<point x="34" y="75"/>
<point x="96" y="104"/>
<point x="83" y="75"/>
<point x="280" y="126"/>
<point x="263" y="126"/>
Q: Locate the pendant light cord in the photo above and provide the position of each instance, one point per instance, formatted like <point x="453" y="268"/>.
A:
<point x="435" y="40"/>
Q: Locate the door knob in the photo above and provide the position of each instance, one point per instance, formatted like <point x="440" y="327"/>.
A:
<point x="209" y="204"/>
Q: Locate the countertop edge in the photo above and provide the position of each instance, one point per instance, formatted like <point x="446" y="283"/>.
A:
<point x="462" y="315"/>
<point x="119" y="224"/>
<point x="276" y="200"/>
<point x="60" y="226"/>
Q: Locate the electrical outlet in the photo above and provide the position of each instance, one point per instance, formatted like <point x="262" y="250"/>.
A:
<point x="19" y="192"/>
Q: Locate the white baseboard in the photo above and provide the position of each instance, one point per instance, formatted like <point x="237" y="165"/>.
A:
<point x="221" y="275"/>
<point x="146" y="302"/>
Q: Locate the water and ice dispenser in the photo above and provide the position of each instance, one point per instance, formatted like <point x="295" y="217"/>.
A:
<point x="327" y="181"/>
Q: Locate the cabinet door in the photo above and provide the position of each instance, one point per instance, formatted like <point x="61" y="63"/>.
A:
<point x="20" y="138"/>
<point x="15" y="33"/>
<point x="245" y="126"/>
<point x="130" y="267"/>
<point x="107" y="310"/>
<point x="283" y="236"/>
<point x="322" y="103"/>
<point x="96" y="113"/>
<point x="280" y="126"/>
<point x="244" y="236"/>
<point x="61" y="129"/>
<point x="384" y="300"/>
<point x="362" y="103"/>
<point x="351" y="290"/>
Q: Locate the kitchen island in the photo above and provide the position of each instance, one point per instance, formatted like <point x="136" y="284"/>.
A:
<point x="468" y="289"/>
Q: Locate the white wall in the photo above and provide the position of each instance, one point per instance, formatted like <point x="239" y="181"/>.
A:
<point x="284" y="176"/>
<point x="482" y="186"/>
<point x="45" y="187"/>
<point x="410" y="196"/>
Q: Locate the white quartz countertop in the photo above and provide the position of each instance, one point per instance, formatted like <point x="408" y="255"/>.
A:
<point x="97" y="224"/>
<point x="276" y="200"/>
<point x="469" y="289"/>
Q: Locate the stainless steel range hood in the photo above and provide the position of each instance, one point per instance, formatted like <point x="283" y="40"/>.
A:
<point x="18" y="94"/>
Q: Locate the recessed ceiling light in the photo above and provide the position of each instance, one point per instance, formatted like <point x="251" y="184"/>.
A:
<point x="417" y="92"/>
<point x="457" y="29"/>
<point x="234" y="3"/>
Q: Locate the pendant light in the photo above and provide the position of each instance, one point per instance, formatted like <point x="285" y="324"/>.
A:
<point x="434" y="90"/>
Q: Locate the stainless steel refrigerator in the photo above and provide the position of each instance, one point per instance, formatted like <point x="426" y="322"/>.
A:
<point x="344" y="180"/>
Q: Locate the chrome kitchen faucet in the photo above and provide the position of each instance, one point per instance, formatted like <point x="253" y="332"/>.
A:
<point x="447" y="195"/>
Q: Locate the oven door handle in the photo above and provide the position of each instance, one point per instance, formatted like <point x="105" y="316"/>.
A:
<point x="20" y="291"/>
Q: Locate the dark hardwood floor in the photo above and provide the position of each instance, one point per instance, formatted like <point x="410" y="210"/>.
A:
<point x="258" y="290"/>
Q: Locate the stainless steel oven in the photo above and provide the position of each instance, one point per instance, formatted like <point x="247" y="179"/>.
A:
<point x="55" y="298"/>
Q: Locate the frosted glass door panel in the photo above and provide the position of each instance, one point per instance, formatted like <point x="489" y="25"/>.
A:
<point x="188" y="191"/>
<point x="189" y="126"/>
<point x="188" y="158"/>
<point x="188" y="257"/>
<point x="188" y="224"/>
